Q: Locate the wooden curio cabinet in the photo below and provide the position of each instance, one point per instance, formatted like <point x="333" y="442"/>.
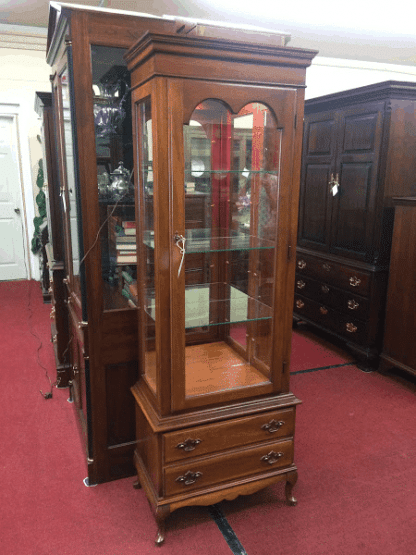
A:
<point x="54" y="249"/>
<point x="217" y="162"/>
<point x="92" y="112"/>
<point x="358" y="152"/>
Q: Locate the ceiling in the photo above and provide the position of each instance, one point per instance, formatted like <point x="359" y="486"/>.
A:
<point x="367" y="30"/>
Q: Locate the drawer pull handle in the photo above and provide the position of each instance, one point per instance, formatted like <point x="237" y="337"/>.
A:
<point x="272" y="457"/>
<point x="300" y="284"/>
<point x="301" y="264"/>
<point x="188" y="444"/>
<point x="272" y="426"/>
<point x="300" y="304"/>
<point x="353" y="305"/>
<point x="189" y="478"/>
<point x="52" y="314"/>
<point x="323" y="310"/>
<point x="351" y="328"/>
<point x="325" y="289"/>
<point x="354" y="281"/>
<point x="327" y="267"/>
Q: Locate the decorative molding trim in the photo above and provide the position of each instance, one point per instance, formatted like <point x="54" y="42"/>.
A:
<point x="23" y="38"/>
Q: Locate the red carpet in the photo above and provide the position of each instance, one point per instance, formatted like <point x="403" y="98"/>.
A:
<point x="355" y="450"/>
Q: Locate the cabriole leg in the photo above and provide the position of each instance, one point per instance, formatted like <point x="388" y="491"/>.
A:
<point x="291" y="480"/>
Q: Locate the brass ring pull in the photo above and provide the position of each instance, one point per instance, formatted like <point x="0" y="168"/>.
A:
<point x="353" y="305"/>
<point x="351" y="328"/>
<point x="299" y="304"/>
<point x="272" y="457"/>
<point x="189" y="478"/>
<point x="354" y="281"/>
<point x="272" y="426"/>
<point x="300" y="284"/>
<point x="301" y="264"/>
<point x="188" y="444"/>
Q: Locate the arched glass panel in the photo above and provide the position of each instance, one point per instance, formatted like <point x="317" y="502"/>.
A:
<point x="232" y="165"/>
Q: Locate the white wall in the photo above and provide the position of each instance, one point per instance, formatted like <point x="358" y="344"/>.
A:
<point x="330" y="75"/>
<point x="23" y="72"/>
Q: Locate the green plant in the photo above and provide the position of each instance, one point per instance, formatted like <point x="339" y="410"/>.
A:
<point x="41" y="204"/>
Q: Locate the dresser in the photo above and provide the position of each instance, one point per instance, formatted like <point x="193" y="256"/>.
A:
<point x="358" y="152"/>
<point x="399" y="347"/>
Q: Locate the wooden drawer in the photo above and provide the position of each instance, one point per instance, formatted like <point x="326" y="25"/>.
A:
<point x="352" y="329"/>
<point x="206" y="471"/>
<point x="340" y="275"/>
<point x="221" y="436"/>
<point x="324" y="293"/>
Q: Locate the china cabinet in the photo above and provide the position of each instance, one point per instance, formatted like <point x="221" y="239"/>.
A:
<point x="358" y="152"/>
<point x="217" y="127"/>
<point x="54" y="248"/>
<point x="399" y="348"/>
<point x="92" y="111"/>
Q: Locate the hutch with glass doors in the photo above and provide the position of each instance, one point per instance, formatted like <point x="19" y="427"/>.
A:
<point x="92" y="111"/>
<point x="55" y="247"/>
<point x="217" y="118"/>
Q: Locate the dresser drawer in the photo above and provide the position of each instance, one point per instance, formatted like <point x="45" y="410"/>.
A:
<point x="221" y="436"/>
<point x="350" y="328"/>
<point x="324" y="293"/>
<point x="206" y="471"/>
<point x="340" y="275"/>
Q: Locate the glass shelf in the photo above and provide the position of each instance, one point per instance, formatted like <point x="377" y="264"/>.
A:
<point x="201" y="241"/>
<point x="203" y="308"/>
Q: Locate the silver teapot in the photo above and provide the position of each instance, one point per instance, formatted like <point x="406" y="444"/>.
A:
<point x="120" y="182"/>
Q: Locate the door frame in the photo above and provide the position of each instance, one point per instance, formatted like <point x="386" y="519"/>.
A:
<point x="26" y="190"/>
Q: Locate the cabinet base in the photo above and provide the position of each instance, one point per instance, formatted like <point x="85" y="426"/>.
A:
<point x="163" y="507"/>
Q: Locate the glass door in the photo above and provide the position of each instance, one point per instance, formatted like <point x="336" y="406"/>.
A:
<point x="228" y="249"/>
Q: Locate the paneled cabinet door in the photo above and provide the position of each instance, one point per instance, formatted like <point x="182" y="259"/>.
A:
<point x="339" y="180"/>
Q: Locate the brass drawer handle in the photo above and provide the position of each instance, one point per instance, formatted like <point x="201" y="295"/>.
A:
<point x="272" y="457"/>
<point x="273" y="426"/>
<point x="327" y="267"/>
<point x="189" y="478"/>
<point x="323" y="310"/>
<point x="325" y="289"/>
<point x="52" y="314"/>
<point x="351" y="328"/>
<point x="354" y="281"/>
<point x="301" y="264"/>
<point x="353" y="305"/>
<point x="188" y="444"/>
<point x="300" y="284"/>
<point x="300" y="304"/>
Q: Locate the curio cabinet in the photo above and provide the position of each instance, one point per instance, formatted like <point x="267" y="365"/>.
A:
<point x="217" y="118"/>
<point x="92" y="117"/>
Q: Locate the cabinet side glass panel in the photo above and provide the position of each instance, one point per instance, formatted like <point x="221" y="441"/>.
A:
<point x="232" y="165"/>
<point x="114" y="152"/>
<point x="70" y="194"/>
<point x="146" y="266"/>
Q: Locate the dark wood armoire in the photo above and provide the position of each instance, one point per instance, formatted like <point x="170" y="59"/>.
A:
<point x="399" y="346"/>
<point x="359" y="150"/>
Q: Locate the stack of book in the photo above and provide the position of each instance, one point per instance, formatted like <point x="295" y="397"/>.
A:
<point x="126" y="243"/>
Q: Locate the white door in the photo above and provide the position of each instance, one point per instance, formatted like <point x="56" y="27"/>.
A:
<point x="12" y="255"/>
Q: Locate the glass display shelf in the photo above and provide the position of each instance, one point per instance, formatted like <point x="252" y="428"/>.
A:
<point x="203" y="241"/>
<point x="203" y="307"/>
